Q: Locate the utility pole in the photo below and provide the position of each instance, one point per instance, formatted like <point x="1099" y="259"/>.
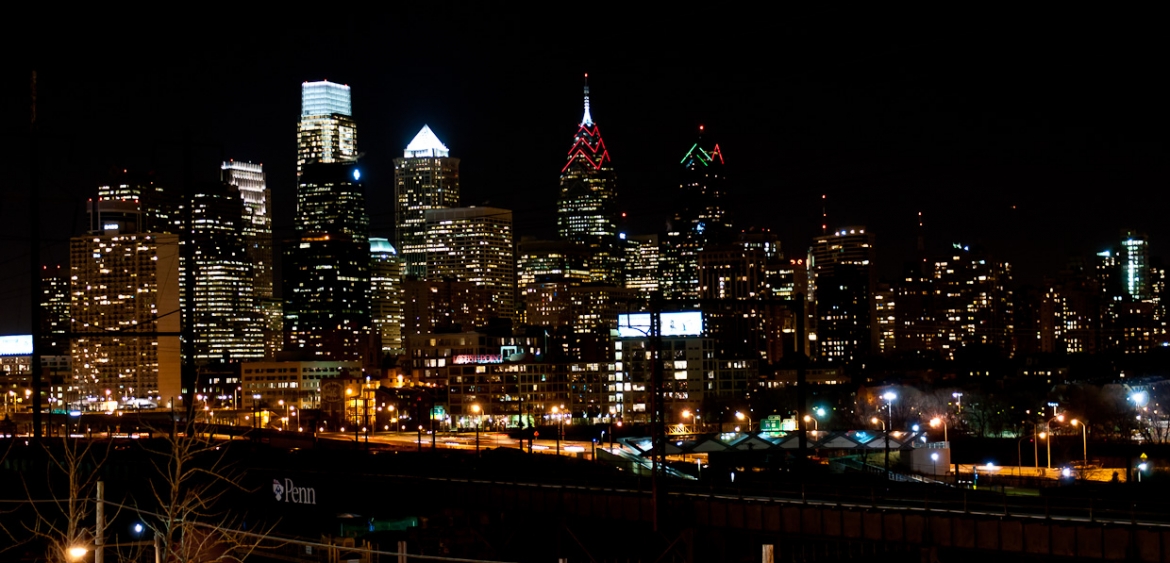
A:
<point x="99" y="531"/>
<point x="187" y="261"/>
<point x="801" y="379"/>
<point x="657" y="410"/>
<point x="34" y="260"/>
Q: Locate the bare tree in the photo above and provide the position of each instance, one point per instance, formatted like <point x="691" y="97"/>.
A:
<point x="58" y="513"/>
<point x="191" y="522"/>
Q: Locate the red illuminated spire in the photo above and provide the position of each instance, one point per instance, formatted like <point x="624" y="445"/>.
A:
<point x="588" y="147"/>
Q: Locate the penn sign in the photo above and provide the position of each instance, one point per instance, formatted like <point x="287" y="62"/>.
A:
<point x="289" y="492"/>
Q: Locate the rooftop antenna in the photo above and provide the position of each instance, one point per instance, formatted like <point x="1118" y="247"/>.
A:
<point x="587" y="119"/>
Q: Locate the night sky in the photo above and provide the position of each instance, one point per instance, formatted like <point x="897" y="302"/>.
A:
<point x="1037" y="138"/>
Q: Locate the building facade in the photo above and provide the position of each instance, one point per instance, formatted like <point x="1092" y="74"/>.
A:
<point x="124" y="284"/>
<point x="474" y="244"/>
<point x="386" y="294"/>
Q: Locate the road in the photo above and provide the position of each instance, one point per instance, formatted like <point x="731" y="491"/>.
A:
<point x="466" y="441"/>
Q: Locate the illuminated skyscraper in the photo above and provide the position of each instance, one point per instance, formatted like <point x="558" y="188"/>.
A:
<point x="124" y="284"/>
<point x="587" y="206"/>
<point x="1135" y="264"/>
<point x="425" y="178"/>
<point x="474" y="244"/>
<point x="326" y="132"/>
<point x="844" y="278"/>
<point x="327" y="267"/>
<point x="386" y="299"/>
<point x="972" y="302"/>
<point x="699" y="222"/>
<point x="227" y="321"/>
<point x="249" y="179"/>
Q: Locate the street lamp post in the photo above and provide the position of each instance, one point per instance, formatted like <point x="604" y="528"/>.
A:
<point x="739" y="415"/>
<point x="1084" y="439"/>
<point x="1048" y="443"/>
<point x="936" y="421"/>
<point x="889" y="397"/>
<point x="478" y="423"/>
<point x="816" y="425"/>
<point x="557" y="419"/>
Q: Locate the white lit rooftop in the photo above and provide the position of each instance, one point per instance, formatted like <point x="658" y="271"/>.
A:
<point x="426" y="145"/>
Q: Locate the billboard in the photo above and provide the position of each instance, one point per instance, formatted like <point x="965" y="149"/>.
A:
<point x="16" y="345"/>
<point x="681" y="323"/>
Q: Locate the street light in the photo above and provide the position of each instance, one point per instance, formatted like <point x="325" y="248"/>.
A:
<point x="889" y="397"/>
<point x="77" y="552"/>
<point x="557" y="418"/>
<point x="1084" y="439"/>
<point x="478" y="423"/>
<point x="1048" y="425"/>
<point x="936" y="421"/>
<point x="741" y="416"/>
<point x="816" y="426"/>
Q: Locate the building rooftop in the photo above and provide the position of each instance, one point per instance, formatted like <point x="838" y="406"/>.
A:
<point x="426" y="145"/>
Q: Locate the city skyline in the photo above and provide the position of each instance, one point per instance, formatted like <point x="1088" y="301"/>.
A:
<point x="895" y="128"/>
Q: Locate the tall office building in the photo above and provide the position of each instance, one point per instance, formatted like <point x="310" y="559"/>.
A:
<point x="327" y="267"/>
<point x="123" y="284"/>
<point x="587" y="206"/>
<point x="326" y="132"/>
<point x="844" y="278"/>
<point x="1135" y="264"/>
<point x="425" y="178"/>
<point x="699" y="222"/>
<point x="249" y="179"/>
<point x="544" y="271"/>
<point x="474" y="244"/>
<point x="387" y="294"/>
<point x="746" y="288"/>
<point x="226" y="320"/>
<point x="973" y="302"/>
<point x="643" y="261"/>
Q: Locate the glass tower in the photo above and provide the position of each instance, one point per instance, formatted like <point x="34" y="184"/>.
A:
<point x="327" y="132"/>
<point x="249" y="179"/>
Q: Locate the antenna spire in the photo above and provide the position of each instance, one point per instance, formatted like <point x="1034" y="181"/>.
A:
<point x="587" y="119"/>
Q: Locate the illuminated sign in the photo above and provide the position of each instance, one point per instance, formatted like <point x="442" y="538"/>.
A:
<point x="289" y="492"/>
<point x="16" y="345"/>
<point x="477" y="359"/>
<point x="683" y="323"/>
